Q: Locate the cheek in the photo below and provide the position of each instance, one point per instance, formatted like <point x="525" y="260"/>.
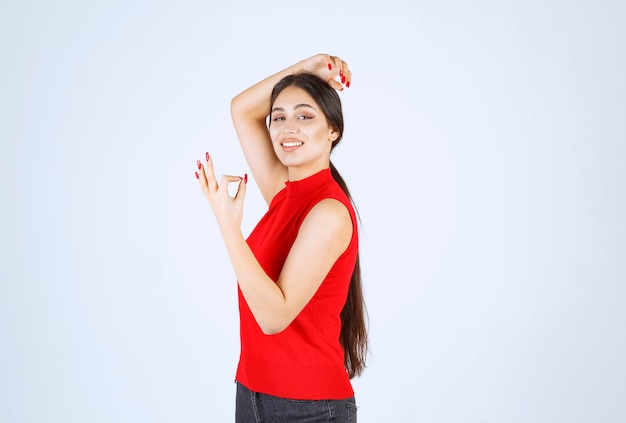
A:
<point x="273" y="133"/>
<point x="274" y="140"/>
<point x="322" y="134"/>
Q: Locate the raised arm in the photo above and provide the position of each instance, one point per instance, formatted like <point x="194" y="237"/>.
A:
<point x="250" y="109"/>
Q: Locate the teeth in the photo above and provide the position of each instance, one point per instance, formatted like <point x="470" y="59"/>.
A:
<point x="292" y="144"/>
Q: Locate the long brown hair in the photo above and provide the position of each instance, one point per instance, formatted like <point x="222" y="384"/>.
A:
<point x="353" y="336"/>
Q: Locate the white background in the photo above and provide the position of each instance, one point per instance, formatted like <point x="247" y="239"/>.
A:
<point x="484" y="146"/>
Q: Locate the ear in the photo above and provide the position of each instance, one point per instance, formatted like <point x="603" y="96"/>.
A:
<point x="332" y="134"/>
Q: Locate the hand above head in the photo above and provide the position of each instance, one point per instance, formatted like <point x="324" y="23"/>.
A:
<point x="330" y="68"/>
<point x="228" y="210"/>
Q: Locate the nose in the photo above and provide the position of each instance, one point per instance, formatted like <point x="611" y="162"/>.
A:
<point x="290" y="127"/>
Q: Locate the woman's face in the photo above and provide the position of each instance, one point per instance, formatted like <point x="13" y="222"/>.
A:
<point x="300" y="133"/>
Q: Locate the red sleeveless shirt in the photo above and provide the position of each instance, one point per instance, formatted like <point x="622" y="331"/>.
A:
<point x="306" y="360"/>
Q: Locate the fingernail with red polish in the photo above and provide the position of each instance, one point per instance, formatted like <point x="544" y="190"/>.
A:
<point x="330" y="67"/>
<point x="245" y="178"/>
<point x="343" y="79"/>
<point x="348" y="84"/>
<point x="199" y="165"/>
<point x="341" y="73"/>
<point x="197" y="176"/>
<point x="207" y="156"/>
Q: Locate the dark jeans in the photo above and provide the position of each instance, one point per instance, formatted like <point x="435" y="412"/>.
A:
<point x="253" y="407"/>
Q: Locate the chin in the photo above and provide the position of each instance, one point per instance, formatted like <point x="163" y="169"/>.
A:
<point x="289" y="161"/>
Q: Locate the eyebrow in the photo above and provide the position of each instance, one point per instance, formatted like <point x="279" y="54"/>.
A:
<point x="280" y="109"/>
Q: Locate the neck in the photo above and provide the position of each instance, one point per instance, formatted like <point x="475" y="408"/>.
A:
<point x="297" y="173"/>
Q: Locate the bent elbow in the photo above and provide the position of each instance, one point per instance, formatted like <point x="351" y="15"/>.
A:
<point x="238" y="107"/>
<point x="273" y="328"/>
<point x="270" y="331"/>
<point x="234" y="106"/>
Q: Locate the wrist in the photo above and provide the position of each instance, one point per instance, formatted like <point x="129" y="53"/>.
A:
<point x="297" y="67"/>
<point x="231" y="233"/>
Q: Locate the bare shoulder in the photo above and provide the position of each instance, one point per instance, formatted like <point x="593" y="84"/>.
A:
<point x="331" y="209"/>
<point x="329" y="220"/>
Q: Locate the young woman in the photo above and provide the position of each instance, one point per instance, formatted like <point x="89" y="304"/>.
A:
<point x="303" y="333"/>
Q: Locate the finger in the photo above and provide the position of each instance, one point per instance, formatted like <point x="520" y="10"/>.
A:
<point x="343" y="67"/>
<point x="224" y="181"/>
<point x="344" y="73"/>
<point x="337" y="67"/>
<point x="332" y="71"/>
<point x="203" y="184"/>
<point x="202" y="180"/>
<point x="336" y="63"/>
<point x="348" y="74"/>
<point x="337" y="76"/>
<point x="241" y="189"/>
<point x="210" y="174"/>
<point x="333" y="82"/>
<point x="330" y="63"/>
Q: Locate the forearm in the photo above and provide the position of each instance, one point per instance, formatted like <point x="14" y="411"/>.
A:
<point x="262" y="294"/>
<point x="253" y="103"/>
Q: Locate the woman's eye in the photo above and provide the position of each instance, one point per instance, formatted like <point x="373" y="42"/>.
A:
<point x="277" y="118"/>
<point x="305" y="117"/>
